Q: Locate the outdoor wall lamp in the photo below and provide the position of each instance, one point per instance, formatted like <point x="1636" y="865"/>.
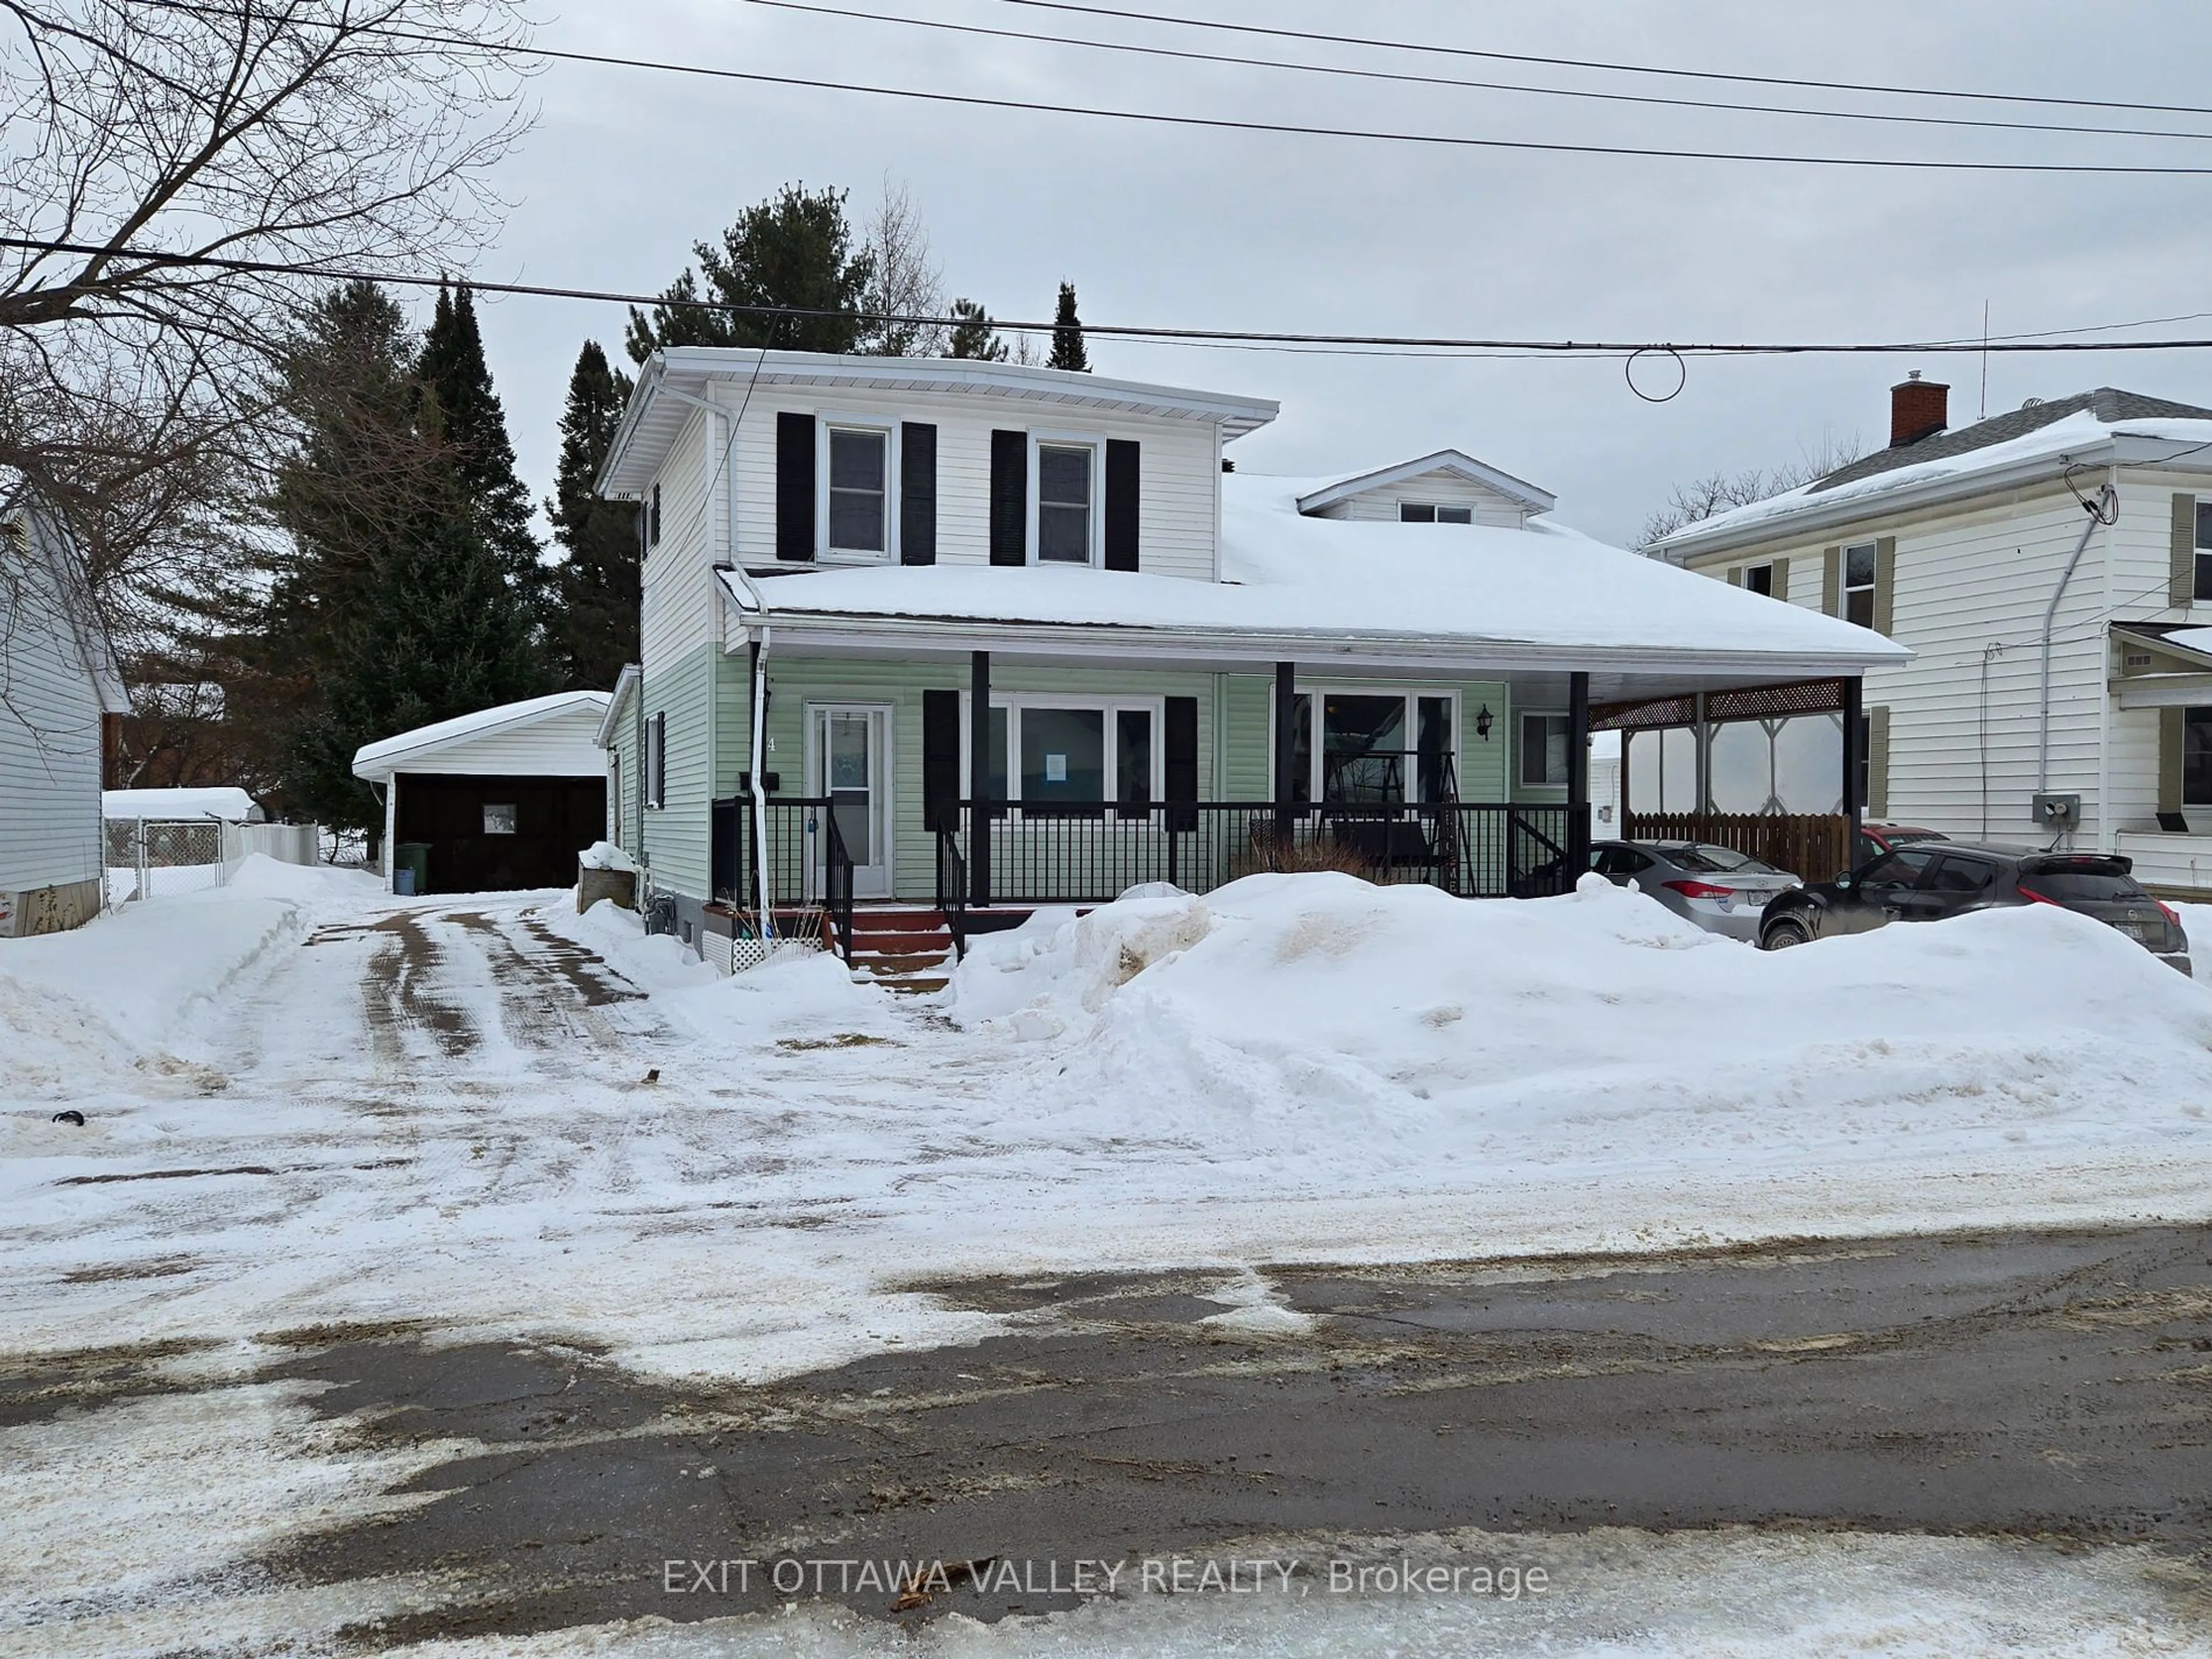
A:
<point x="1482" y="722"/>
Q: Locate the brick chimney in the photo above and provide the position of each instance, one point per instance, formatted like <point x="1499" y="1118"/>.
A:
<point x="1918" y="409"/>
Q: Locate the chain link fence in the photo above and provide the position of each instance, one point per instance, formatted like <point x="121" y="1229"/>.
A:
<point x="156" y="858"/>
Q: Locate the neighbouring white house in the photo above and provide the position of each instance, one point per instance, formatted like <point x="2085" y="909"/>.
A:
<point x="967" y="637"/>
<point x="2051" y="568"/>
<point x="502" y="799"/>
<point x="59" y="687"/>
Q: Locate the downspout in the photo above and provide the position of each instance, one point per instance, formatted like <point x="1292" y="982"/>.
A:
<point x="2107" y="841"/>
<point x="2100" y="512"/>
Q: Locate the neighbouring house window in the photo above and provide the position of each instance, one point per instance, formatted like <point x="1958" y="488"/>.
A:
<point x="2196" y="757"/>
<point x="2204" y="584"/>
<point x="1074" y="761"/>
<point x="1064" y="495"/>
<point x="1759" y="579"/>
<point x="1377" y="747"/>
<point x="1859" y="565"/>
<point x="498" y="819"/>
<point x="1544" y="740"/>
<point x="859" y="489"/>
<point x="1430" y="512"/>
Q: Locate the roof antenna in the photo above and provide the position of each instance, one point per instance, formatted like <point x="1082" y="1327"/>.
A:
<point x="1984" y="415"/>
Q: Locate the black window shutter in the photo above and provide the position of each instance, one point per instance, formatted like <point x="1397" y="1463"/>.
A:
<point x="1009" y="497"/>
<point x="794" y="486"/>
<point x="917" y="492"/>
<point x="1123" y="493"/>
<point x="1179" y="758"/>
<point x="940" y="760"/>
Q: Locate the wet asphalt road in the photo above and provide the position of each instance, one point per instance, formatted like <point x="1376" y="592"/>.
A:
<point x="2057" y="1385"/>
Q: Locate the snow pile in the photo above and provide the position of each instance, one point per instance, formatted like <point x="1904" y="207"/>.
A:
<point x="605" y="856"/>
<point x="1351" y="1027"/>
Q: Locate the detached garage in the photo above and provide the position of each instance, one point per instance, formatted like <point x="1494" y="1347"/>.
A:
<point x="499" y="799"/>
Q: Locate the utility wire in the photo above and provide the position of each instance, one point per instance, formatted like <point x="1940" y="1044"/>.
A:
<point x="1225" y="123"/>
<point x="1434" y="48"/>
<point x="156" y="259"/>
<point x="1407" y="77"/>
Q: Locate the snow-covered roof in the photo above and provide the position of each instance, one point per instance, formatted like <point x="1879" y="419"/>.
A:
<point x="382" y="758"/>
<point x="1454" y="461"/>
<point x="2083" y="436"/>
<point x="221" y="801"/>
<point x="652" y="422"/>
<point x="1339" y="590"/>
<point x="625" y="682"/>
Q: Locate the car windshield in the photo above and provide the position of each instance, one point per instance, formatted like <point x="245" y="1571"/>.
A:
<point x="2083" y="883"/>
<point x="1705" y="856"/>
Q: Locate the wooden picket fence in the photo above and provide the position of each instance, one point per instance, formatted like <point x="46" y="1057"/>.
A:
<point x="1814" y="845"/>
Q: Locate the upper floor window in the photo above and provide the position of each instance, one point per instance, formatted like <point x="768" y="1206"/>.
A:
<point x="1430" y="512"/>
<point x="1066" y="489"/>
<point x="2202" y="590"/>
<point x="860" y="491"/>
<point x="1759" y="579"/>
<point x="1859" y="565"/>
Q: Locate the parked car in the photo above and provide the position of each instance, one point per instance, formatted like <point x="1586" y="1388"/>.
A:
<point x="1875" y="839"/>
<point x="1719" y="889"/>
<point x="1929" y="880"/>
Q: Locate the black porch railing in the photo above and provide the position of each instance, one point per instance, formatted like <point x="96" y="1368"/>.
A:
<point x="1089" y="854"/>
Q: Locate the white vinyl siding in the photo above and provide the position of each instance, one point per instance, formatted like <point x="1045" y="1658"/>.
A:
<point x="1435" y="490"/>
<point x="562" y="745"/>
<point x="681" y="609"/>
<point x="1180" y="470"/>
<point x="50" y="747"/>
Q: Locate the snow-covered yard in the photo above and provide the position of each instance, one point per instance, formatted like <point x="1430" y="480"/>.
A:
<point x="307" y="1104"/>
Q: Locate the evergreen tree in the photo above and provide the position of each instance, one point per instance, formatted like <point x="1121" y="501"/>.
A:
<point x="795" y="249"/>
<point x="595" y="624"/>
<point x="438" y="633"/>
<point x="973" y="335"/>
<point x="461" y="412"/>
<point x="1067" y="350"/>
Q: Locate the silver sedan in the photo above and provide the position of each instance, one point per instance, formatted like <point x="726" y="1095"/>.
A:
<point x="1717" y="888"/>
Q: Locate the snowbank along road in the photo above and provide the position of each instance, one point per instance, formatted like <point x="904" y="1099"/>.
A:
<point x="432" y="1274"/>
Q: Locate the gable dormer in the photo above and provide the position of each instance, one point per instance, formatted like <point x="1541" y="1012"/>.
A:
<point x="1448" y="486"/>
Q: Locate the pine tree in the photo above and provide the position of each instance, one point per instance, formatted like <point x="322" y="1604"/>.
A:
<point x="596" y="588"/>
<point x="1067" y="350"/>
<point x="461" y="411"/>
<point x="973" y="335"/>
<point x="795" y="249"/>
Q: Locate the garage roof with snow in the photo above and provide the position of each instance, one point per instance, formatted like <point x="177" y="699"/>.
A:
<point x="470" y="738"/>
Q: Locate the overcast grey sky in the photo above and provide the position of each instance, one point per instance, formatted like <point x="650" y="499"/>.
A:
<point x="626" y="168"/>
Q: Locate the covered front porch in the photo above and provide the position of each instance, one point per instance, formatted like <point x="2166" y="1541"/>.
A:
<point x="979" y="786"/>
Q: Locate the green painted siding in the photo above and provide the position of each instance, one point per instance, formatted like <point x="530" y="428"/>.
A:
<point x="624" y="809"/>
<point x="676" y="833"/>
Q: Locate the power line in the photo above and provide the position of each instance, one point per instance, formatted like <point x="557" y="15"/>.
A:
<point x="154" y="259"/>
<point x="1407" y="77"/>
<point x="1290" y="128"/>
<point x="1311" y="35"/>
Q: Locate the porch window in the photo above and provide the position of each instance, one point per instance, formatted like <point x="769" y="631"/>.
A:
<point x="1376" y="748"/>
<point x="1064" y="495"/>
<point x="1544" y="742"/>
<point x="1430" y="512"/>
<point x="1063" y="756"/>
<point x="859" y="482"/>
<point x="2196" y="757"/>
<point x="1074" y="761"/>
<point x="1859" y="564"/>
<point x="2202" y="589"/>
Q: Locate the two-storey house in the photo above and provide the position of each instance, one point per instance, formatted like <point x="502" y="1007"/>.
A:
<point x="2050" y="569"/>
<point x="973" y="637"/>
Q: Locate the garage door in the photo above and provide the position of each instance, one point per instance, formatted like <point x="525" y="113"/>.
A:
<point x="492" y="835"/>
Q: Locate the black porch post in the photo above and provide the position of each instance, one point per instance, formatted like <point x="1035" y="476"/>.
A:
<point x="1286" y="691"/>
<point x="1578" y="823"/>
<point x="979" y="779"/>
<point x="1854" y="737"/>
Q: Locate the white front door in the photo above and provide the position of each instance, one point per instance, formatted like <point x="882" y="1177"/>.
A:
<point x="849" y="763"/>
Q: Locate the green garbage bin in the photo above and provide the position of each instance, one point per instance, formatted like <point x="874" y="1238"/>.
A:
<point x="410" y="868"/>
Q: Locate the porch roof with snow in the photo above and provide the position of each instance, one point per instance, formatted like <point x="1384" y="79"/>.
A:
<point x="410" y="750"/>
<point x="1350" y="594"/>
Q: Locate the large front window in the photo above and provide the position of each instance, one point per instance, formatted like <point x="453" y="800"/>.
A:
<point x="1074" y="761"/>
<point x="1064" y="503"/>
<point x="1376" y="748"/>
<point x="2196" y="757"/>
<point x="860" y="475"/>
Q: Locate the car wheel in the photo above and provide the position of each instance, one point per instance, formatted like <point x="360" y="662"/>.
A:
<point x="1784" y="934"/>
